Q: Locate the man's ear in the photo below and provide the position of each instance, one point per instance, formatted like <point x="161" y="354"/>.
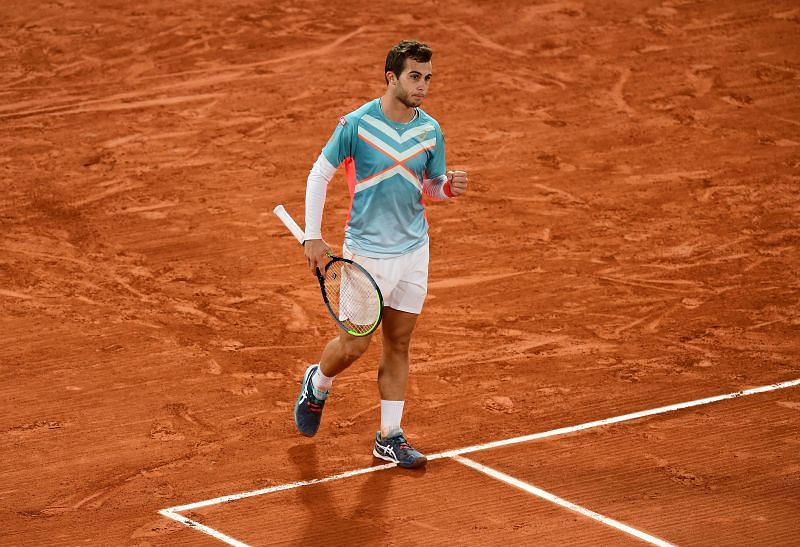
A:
<point x="391" y="77"/>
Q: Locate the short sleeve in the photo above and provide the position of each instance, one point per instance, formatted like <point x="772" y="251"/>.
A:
<point x="437" y="166"/>
<point x="340" y="145"/>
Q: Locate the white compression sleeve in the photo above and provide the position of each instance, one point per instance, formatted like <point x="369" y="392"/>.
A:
<point x="436" y="189"/>
<point x="316" y="189"/>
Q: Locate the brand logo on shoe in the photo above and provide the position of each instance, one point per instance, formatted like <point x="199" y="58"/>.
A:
<point x="387" y="449"/>
<point x="303" y="396"/>
<point x="304" y="393"/>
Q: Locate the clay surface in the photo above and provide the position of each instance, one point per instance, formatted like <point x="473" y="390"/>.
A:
<point x="630" y="240"/>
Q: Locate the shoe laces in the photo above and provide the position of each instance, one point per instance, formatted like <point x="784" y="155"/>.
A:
<point x="401" y="442"/>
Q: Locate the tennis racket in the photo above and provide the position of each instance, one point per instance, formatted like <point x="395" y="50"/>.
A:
<point x="350" y="293"/>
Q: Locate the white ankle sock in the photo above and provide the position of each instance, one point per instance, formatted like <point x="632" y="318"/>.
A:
<point x="321" y="382"/>
<point x="391" y="415"/>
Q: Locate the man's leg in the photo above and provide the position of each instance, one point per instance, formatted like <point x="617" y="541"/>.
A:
<point x="338" y="354"/>
<point x="393" y="370"/>
<point x="390" y="442"/>
<point x="341" y="352"/>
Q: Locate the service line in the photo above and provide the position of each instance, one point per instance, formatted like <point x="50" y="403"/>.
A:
<point x="529" y="488"/>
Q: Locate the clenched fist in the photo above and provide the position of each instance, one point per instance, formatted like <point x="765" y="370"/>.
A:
<point x="458" y="182"/>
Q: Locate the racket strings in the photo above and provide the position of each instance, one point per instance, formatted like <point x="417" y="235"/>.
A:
<point x="352" y="296"/>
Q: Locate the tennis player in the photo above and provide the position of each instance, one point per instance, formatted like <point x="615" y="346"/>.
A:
<point x="393" y="153"/>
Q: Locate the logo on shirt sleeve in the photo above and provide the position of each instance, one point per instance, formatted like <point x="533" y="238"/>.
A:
<point x="342" y="121"/>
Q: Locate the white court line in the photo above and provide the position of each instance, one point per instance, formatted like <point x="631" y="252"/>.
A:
<point x="172" y="512"/>
<point x="279" y="488"/>
<point x="614" y="420"/>
<point x="562" y="502"/>
<point x="202" y="527"/>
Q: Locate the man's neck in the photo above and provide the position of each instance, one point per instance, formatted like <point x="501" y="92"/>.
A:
<point x="395" y="110"/>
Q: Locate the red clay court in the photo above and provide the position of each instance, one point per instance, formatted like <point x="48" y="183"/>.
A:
<point x="629" y="243"/>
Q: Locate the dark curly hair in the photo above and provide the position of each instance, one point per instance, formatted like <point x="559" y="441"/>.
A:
<point x="407" y="49"/>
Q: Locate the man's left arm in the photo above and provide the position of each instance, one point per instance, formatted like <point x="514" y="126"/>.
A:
<point x="442" y="185"/>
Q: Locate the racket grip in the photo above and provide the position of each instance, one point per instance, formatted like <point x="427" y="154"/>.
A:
<point x="287" y="219"/>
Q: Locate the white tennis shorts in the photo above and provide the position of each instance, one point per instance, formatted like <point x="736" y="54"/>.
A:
<point x="403" y="279"/>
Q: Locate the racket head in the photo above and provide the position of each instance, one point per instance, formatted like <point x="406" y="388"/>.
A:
<point x="352" y="296"/>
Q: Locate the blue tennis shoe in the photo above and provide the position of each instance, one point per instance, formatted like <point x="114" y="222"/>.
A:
<point x="309" y="405"/>
<point x="396" y="449"/>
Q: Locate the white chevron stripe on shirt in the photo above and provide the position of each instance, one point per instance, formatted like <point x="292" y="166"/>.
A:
<point x="377" y="179"/>
<point x="390" y="150"/>
<point x="392" y="132"/>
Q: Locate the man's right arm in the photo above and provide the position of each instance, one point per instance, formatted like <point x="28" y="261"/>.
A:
<point x="338" y="148"/>
<point x="315" y="247"/>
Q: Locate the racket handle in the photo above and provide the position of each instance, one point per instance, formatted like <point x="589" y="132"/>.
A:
<point x="287" y="219"/>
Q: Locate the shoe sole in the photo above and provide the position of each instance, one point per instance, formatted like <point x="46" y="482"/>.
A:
<point x="419" y="462"/>
<point x="297" y="402"/>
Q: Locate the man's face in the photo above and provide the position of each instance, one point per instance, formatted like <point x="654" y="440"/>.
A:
<point x="412" y="85"/>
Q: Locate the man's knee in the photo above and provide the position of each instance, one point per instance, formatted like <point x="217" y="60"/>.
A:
<point x="353" y="347"/>
<point x="397" y="345"/>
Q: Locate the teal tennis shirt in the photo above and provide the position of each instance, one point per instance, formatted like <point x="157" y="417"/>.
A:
<point x="386" y="163"/>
